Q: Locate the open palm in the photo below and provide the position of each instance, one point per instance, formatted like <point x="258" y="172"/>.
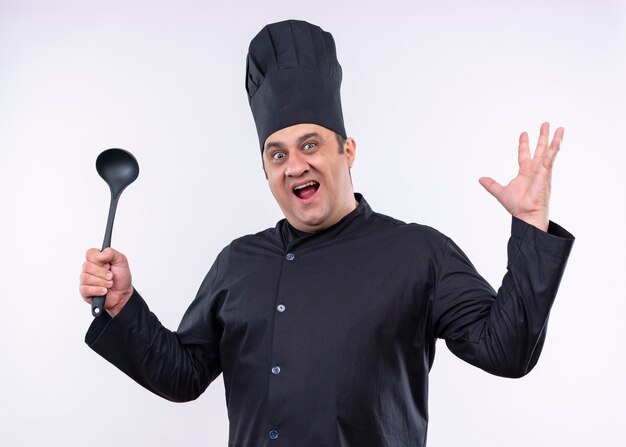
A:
<point x="527" y="196"/>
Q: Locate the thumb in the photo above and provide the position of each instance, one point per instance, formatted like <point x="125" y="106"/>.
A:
<point x="491" y="186"/>
<point x="113" y="257"/>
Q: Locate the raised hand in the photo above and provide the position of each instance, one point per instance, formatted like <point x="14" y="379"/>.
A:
<point x="527" y="196"/>
<point x="106" y="273"/>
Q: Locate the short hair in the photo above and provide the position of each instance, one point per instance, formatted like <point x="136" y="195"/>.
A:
<point x="341" y="141"/>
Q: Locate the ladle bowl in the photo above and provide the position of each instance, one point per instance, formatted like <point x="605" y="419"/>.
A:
<point x="118" y="168"/>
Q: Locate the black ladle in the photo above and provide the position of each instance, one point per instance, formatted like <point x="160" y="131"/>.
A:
<point x="119" y="169"/>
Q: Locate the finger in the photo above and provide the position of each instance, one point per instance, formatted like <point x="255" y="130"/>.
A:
<point x="553" y="150"/>
<point x="114" y="257"/>
<point x="91" y="291"/>
<point x="89" y="280"/>
<point x="90" y="285"/>
<point x="523" y="150"/>
<point x="558" y="134"/>
<point x="97" y="257"/>
<point x="542" y="142"/>
<point x="96" y="270"/>
<point x="491" y="186"/>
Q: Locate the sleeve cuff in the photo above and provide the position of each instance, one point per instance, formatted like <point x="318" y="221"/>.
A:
<point x="104" y="324"/>
<point x="557" y="241"/>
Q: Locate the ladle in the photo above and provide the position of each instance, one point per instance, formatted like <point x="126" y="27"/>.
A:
<point x="119" y="169"/>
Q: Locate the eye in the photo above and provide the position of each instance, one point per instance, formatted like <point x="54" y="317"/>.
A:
<point x="308" y="146"/>
<point x="278" y="155"/>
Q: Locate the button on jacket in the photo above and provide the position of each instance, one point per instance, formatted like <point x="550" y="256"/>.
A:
<point x="327" y="339"/>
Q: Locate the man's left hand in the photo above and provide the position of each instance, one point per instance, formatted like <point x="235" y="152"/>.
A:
<point x="527" y="196"/>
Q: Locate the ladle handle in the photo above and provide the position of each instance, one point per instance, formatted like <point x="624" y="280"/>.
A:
<point x="97" y="302"/>
<point x="97" y="305"/>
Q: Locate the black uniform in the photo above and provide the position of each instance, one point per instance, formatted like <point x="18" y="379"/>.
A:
<point x="327" y="339"/>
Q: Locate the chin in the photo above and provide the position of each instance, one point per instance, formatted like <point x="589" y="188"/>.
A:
<point x="310" y="222"/>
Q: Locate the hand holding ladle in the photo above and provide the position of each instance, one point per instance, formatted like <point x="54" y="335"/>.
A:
<point x="118" y="168"/>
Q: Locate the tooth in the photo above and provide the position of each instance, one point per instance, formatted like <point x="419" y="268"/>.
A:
<point x="304" y="185"/>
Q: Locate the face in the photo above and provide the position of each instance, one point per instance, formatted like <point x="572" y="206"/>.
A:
<point x="309" y="177"/>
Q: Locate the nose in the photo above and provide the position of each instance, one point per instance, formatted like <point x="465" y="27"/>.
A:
<point x="296" y="165"/>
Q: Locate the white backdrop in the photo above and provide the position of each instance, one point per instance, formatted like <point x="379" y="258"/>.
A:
<point x="436" y="94"/>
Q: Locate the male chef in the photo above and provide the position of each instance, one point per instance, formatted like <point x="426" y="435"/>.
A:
<point x="324" y="326"/>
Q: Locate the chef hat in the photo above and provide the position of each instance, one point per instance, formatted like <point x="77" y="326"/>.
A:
<point x="293" y="77"/>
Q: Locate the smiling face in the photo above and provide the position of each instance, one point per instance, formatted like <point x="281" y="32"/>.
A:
<point x="309" y="175"/>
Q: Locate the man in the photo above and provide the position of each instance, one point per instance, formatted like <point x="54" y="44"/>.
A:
<point x="325" y="325"/>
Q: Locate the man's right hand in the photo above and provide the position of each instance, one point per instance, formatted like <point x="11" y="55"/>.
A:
<point x="106" y="273"/>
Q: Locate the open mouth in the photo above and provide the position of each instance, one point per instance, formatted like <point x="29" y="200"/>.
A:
<point x="306" y="190"/>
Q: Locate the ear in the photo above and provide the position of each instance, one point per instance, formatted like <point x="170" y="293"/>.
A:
<point x="349" y="149"/>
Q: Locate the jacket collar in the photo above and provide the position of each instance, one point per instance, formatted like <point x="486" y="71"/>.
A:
<point x="291" y="237"/>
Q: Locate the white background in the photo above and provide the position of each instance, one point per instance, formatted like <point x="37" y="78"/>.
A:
<point x="436" y="94"/>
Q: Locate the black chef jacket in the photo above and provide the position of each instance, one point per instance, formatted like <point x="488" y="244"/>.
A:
<point x="327" y="339"/>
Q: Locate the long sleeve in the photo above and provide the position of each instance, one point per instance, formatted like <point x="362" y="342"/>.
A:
<point x="502" y="333"/>
<point x="293" y="321"/>
<point x="174" y="365"/>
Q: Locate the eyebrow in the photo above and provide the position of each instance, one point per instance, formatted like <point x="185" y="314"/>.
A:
<point x="301" y="139"/>
<point x="272" y="144"/>
<point x="306" y="136"/>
